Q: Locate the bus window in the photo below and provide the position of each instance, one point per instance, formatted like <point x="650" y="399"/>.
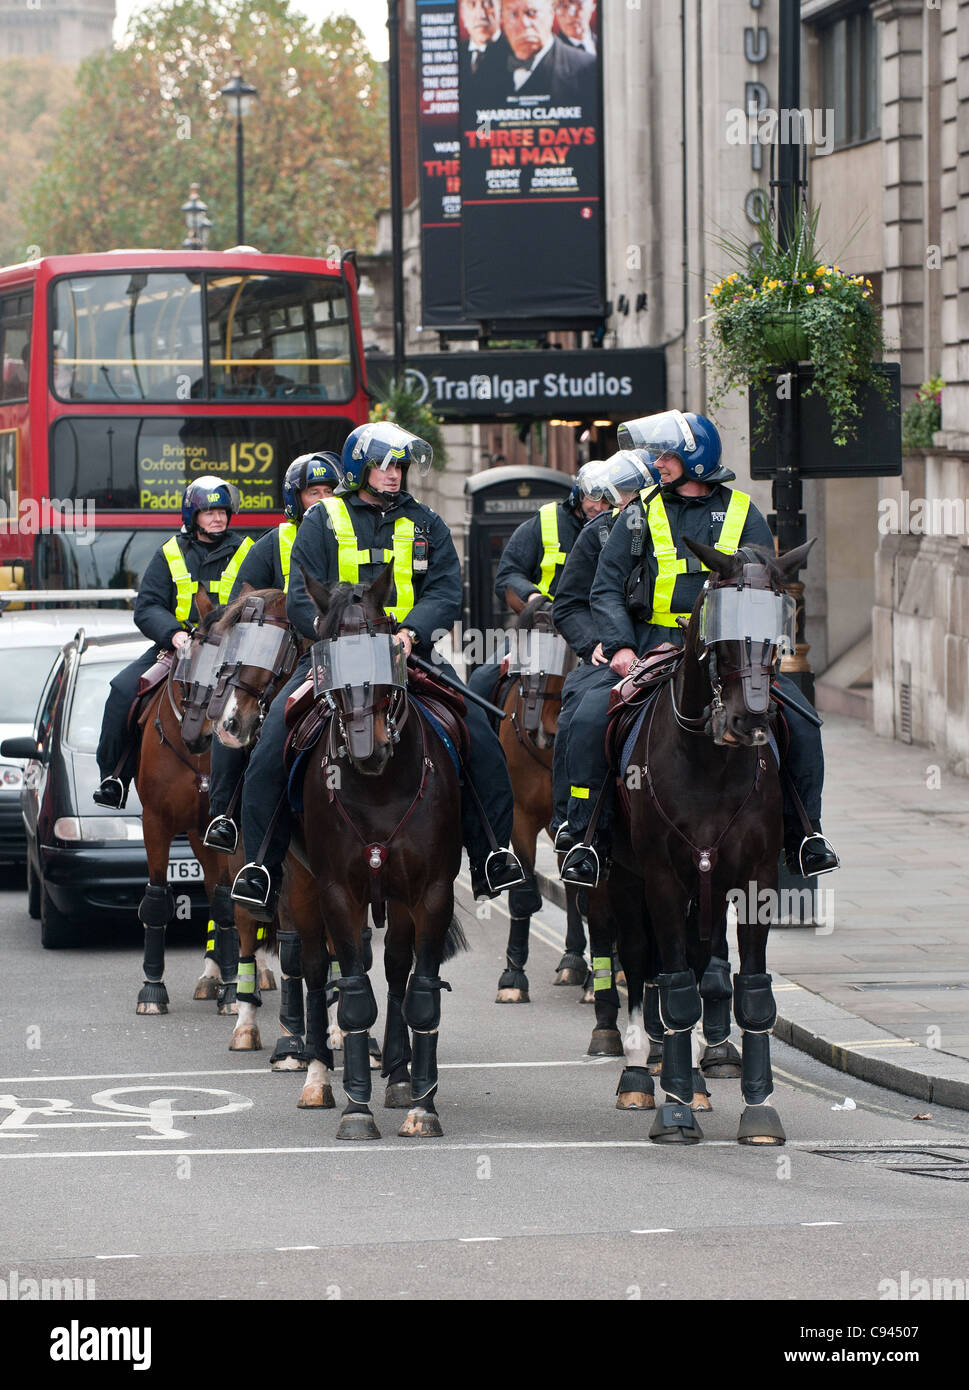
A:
<point x="129" y="337"/>
<point x="278" y="337"/>
<point x="15" y="316"/>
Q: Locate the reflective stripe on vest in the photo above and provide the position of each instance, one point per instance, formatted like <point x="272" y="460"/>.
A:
<point x="350" y="558"/>
<point x="552" y="553"/>
<point x="186" y="587"/>
<point x="287" y="536"/>
<point x="669" y="566"/>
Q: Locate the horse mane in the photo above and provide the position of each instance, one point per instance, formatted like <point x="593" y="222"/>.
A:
<point x="232" y="610"/>
<point x="341" y="596"/>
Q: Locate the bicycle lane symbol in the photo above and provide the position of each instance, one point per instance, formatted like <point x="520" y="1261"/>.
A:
<point x="27" y="1116"/>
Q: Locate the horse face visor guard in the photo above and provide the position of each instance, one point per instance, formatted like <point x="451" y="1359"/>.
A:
<point x="264" y="646"/>
<point x="534" y="653"/>
<point x="198" y="665"/>
<point x="731" y="614"/>
<point x="358" y="663"/>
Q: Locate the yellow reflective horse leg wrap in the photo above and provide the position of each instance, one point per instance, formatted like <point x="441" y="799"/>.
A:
<point x="601" y="973"/>
<point x="580" y="793"/>
<point x="210" y="939"/>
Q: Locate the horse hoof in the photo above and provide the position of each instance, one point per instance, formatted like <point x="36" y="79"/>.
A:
<point x="246" y="1040"/>
<point x="701" y="1096"/>
<point x="152" y="1000"/>
<point x="512" y="996"/>
<point x="421" y="1124"/>
<point x="228" y="1008"/>
<point x="316" y="1096"/>
<point x="359" y="1125"/>
<point x="606" y="1042"/>
<point x="635" y="1100"/>
<point x="761" y="1124"/>
<point x="151" y="1010"/>
<point x="267" y="980"/>
<point x="588" y="997"/>
<point x="570" y="976"/>
<point x="655" y="1059"/>
<point x="721" y="1062"/>
<point x="620" y="979"/>
<point x="289" y="1064"/>
<point x="376" y="1060"/>
<point x="675" y="1124"/>
<point x="207" y="987"/>
<point x="398" y="1096"/>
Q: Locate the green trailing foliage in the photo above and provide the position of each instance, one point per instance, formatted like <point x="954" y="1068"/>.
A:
<point x="923" y="417"/>
<point x="401" y="404"/>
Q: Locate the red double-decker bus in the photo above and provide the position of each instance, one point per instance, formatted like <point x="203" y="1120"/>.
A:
<point x="125" y="374"/>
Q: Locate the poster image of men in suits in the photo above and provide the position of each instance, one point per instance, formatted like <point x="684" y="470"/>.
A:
<point x="575" y="23"/>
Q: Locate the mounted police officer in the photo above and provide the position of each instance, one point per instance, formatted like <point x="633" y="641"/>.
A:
<point x="308" y="479"/>
<point x="533" y="559"/>
<point x="645" y="580"/>
<point x="615" y="482"/>
<point x="205" y="552"/>
<point x="351" y="537"/>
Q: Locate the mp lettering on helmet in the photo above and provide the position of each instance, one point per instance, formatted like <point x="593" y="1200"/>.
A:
<point x="213" y="497"/>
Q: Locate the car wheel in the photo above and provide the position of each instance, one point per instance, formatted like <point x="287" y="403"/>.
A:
<point x="33" y="892"/>
<point x="56" y="930"/>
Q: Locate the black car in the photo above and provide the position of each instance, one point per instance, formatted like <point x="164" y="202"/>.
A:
<point x="86" y="861"/>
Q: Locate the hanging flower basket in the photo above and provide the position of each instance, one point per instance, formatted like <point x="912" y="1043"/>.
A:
<point x="785" y="304"/>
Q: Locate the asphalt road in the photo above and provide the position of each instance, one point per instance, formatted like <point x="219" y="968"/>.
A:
<point x="172" y="1168"/>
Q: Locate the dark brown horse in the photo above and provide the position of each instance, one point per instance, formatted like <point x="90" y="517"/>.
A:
<point x="531" y="695"/>
<point x="381" y="826"/>
<point x="172" y="784"/>
<point x="705" y="828"/>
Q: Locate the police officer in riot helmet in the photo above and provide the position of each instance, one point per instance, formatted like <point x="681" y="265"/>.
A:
<point x="351" y="537"/>
<point x="204" y="553"/>
<point x="646" y="579"/>
<point x="307" y="480"/>
<point x="532" y="561"/>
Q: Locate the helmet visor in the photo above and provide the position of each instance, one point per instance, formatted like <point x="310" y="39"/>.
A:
<point x="210" y="492"/>
<point x="386" y="445"/>
<point x="615" y="479"/>
<point x="732" y="615"/>
<point x="668" y="432"/>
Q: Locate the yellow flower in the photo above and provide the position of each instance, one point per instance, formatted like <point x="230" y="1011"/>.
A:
<point x="820" y="270"/>
<point x="809" y="288"/>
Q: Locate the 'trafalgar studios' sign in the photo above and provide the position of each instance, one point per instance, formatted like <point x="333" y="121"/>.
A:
<point x="485" y="386"/>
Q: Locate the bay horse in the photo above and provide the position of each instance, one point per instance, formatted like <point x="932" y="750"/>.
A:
<point x="705" y="828"/>
<point x="531" y="695"/>
<point x="172" y="785"/>
<point x="381" y="824"/>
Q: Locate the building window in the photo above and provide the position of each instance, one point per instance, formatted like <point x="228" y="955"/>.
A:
<point x="850" y="76"/>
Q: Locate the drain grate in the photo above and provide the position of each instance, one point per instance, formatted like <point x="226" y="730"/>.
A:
<point x="863" y="985"/>
<point x="917" y="1163"/>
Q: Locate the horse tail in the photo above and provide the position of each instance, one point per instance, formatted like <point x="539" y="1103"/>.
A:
<point x="455" y="941"/>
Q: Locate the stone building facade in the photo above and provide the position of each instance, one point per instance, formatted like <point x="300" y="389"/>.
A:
<point x="63" y="31"/>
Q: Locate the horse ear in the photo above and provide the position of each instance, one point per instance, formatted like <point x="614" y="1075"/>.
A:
<point x="319" y="593"/>
<point x="784" y="568"/>
<point x="379" y="591"/>
<point x="203" y="602"/>
<point x="724" y="565"/>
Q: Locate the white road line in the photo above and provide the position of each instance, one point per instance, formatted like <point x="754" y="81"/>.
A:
<point x="117" y="1257"/>
<point x="477" y="1240"/>
<point x="654" y="1231"/>
<point x="822" y="1223"/>
<point x="281" y="1249"/>
<point x="481" y="1146"/>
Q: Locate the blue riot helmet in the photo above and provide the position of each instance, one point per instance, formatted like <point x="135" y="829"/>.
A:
<point x="618" y="478"/>
<point x="206" y="494"/>
<point x="306" y="471"/>
<point x="692" y="438"/>
<point x="382" y="445"/>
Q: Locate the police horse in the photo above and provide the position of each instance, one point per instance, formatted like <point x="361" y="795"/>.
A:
<point x="380" y="830"/>
<point x="705" y="824"/>
<point x="529" y="690"/>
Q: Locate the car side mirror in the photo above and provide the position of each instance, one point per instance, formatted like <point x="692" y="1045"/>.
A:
<point x="22" y="748"/>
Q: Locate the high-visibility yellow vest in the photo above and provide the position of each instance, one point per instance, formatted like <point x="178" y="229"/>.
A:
<point x="552" y="553"/>
<point x="287" y="536"/>
<point x="186" y="587"/>
<point x="669" y="566"/>
<point x="350" y="558"/>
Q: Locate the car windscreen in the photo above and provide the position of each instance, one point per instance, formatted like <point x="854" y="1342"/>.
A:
<point x="90" y="693"/>
<point x="23" y="671"/>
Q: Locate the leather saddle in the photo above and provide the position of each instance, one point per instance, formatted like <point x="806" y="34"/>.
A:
<point x="627" y="698"/>
<point x="147" y="683"/>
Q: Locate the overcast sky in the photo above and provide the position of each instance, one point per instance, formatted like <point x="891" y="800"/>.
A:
<point x="371" y="15"/>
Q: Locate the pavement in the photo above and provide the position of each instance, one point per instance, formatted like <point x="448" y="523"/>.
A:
<point x="877" y="984"/>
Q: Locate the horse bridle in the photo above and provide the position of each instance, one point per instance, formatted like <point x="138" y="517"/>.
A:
<point x="356" y="622"/>
<point x="254" y="616"/>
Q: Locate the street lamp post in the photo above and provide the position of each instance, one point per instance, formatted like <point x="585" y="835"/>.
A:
<point x="197" y="220"/>
<point x="239" y="95"/>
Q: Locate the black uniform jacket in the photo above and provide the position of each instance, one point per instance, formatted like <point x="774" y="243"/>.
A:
<point x="572" y="611"/>
<point x="700" y="518"/>
<point x="520" y="566"/>
<point x="261" y="568"/>
<point x="155" y="605"/>
<point x="437" y="592"/>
